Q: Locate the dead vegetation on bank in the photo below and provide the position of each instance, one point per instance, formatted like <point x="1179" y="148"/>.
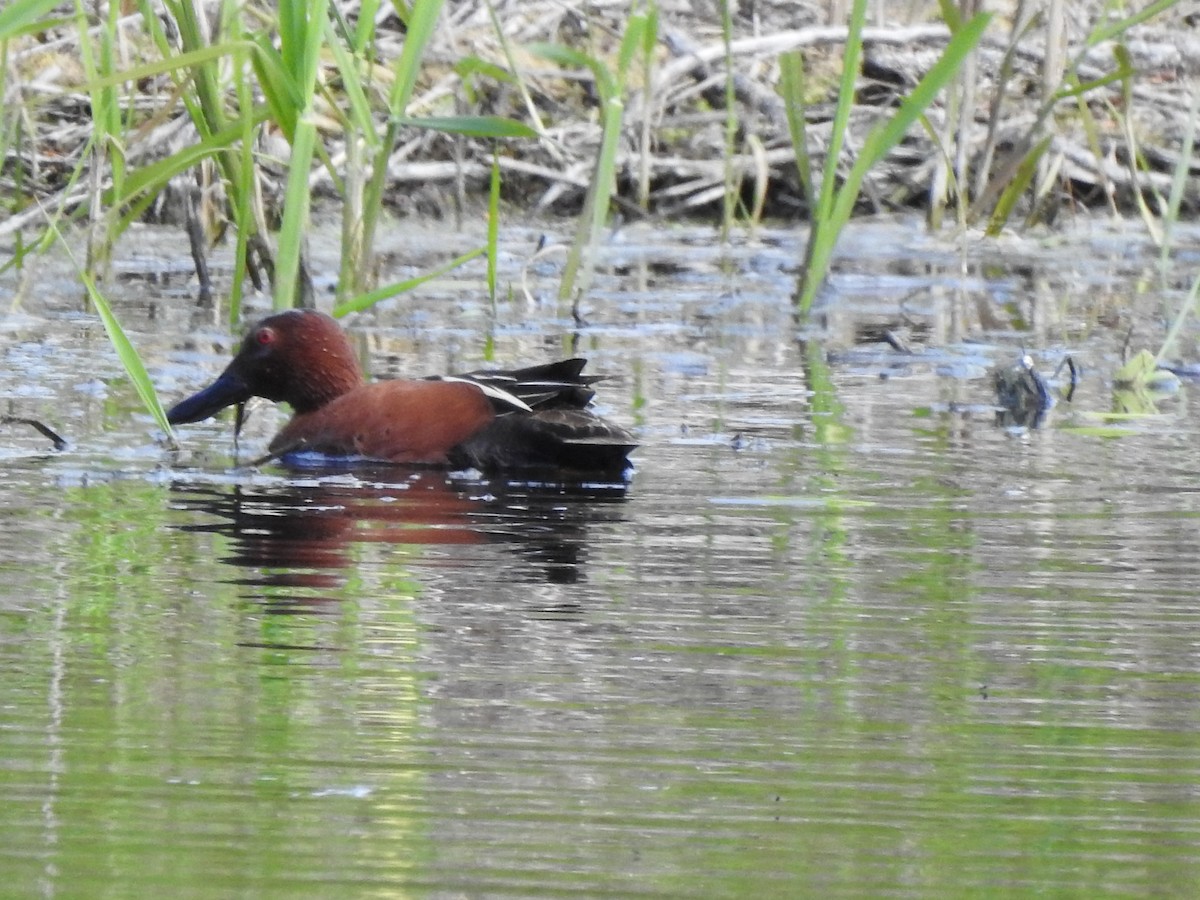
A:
<point x="1104" y="149"/>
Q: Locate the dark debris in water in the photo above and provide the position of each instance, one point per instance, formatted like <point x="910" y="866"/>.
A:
<point x="59" y="442"/>
<point x="1024" y="395"/>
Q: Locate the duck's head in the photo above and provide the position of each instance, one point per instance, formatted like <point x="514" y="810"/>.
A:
<point x="299" y="357"/>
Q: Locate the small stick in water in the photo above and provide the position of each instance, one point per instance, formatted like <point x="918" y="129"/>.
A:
<point x="60" y="443"/>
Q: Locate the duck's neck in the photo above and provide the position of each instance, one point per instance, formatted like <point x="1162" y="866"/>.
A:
<point x="318" y="384"/>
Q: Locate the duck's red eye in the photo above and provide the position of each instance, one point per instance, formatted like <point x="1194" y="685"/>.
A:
<point x="264" y="337"/>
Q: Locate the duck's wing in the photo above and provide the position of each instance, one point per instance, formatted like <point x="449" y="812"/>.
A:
<point x="556" y="385"/>
<point x="559" y="438"/>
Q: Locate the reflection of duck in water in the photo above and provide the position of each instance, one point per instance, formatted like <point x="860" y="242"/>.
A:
<point x="526" y="418"/>
<point x="304" y="535"/>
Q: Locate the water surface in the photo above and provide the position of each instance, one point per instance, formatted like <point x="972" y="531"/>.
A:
<point x="843" y="631"/>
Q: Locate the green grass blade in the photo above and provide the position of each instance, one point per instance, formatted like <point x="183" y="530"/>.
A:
<point x="302" y="29"/>
<point x="636" y="32"/>
<point x="360" y="107"/>
<point x="645" y="148"/>
<point x="841" y="116"/>
<point x="595" y="207"/>
<point x="471" y="68"/>
<point x="950" y="14"/>
<point x="156" y="175"/>
<point x="881" y="140"/>
<point x="512" y="73"/>
<point x="420" y="27"/>
<point x="1121" y="73"/>
<point x="365" y="301"/>
<point x="194" y="36"/>
<point x="1179" y="179"/>
<point x="176" y="63"/>
<point x="606" y="85"/>
<point x="23" y="15"/>
<point x="791" y="89"/>
<point x="1104" y="32"/>
<point x="493" y="226"/>
<point x="129" y="357"/>
<point x="124" y="348"/>
<point x="279" y="89"/>
<point x="106" y="137"/>
<point x="577" y="271"/>
<point x="243" y="199"/>
<point x="1008" y="198"/>
<point x="1189" y="304"/>
<point x="823" y="233"/>
<point x="835" y="208"/>
<point x="473" y="126"/>
<point x="729" y="195"/>
<point x="296" y="200"/>
<point x="364" y="31"/>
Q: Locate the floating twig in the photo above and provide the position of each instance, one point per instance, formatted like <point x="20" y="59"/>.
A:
<point x="60" y="443"/>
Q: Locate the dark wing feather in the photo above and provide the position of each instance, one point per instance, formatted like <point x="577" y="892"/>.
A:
<point x="554" y="385"/>
<point x="555" y="438"/>
<point x="558" y="431"/>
